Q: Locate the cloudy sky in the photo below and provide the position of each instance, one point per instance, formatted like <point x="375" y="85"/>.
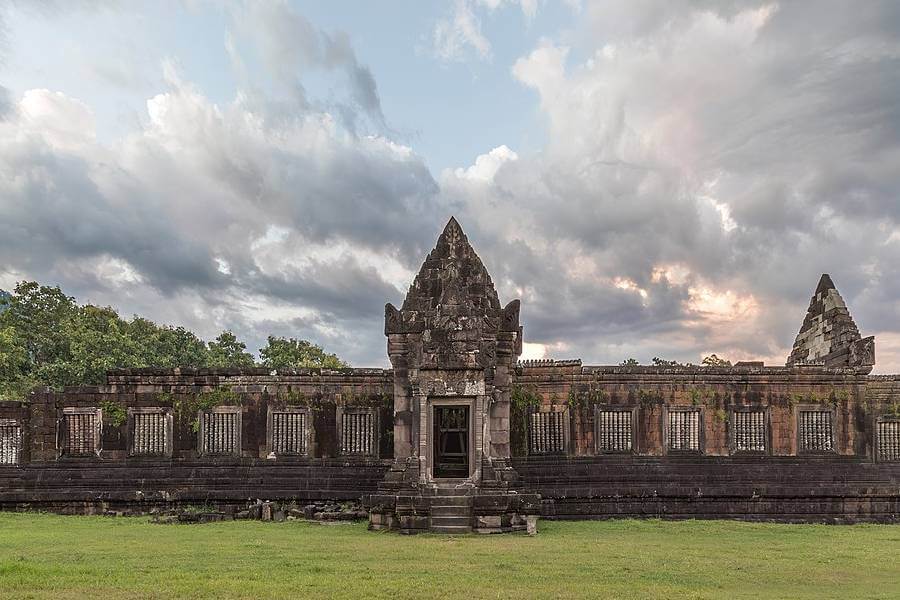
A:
<point x="651" y="179"/>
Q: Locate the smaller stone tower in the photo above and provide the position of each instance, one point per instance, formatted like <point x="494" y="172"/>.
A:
<point x="828" y="335"/>
<point x="453" y="349"/>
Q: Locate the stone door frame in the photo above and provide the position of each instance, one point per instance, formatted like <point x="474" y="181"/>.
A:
<point x="443" y="401"/>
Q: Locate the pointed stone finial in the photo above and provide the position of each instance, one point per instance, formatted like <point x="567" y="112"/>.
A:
<point x="829" y="335"/>
<point x="452" y="239"/>
<point x="825" y="284"/>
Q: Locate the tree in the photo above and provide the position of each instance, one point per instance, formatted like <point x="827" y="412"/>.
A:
<point x="290" y="353"/>
<point x="37" y="314"/>
<point x="14" y="380"/>
<point x="714" y="361"/>
<point x="67" y="344"/>
<point x="46" y="338"/>
<point x="629" y="362"/>
<point x="227" y="351"/>
<point x="661" y="362"/>
<point x="98" y="340"/>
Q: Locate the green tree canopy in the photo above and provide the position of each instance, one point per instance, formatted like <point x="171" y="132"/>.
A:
<point x="46" y="338"/>
<point x="290" y="353"/>
<point x="227" y="351"/>
<point x="38" y="314"/>
<point x="14" y="377"/>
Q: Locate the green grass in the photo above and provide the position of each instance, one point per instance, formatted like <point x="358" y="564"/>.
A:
<point x="48" y="556"/>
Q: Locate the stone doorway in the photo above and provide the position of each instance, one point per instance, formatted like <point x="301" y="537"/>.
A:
<point x="450" y="443"/>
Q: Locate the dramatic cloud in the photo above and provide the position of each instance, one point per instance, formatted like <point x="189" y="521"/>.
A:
<point x="229" y="214"/>
<point x="700" y="164"/>
<point x="290" y="47"/>
<point x="746" y="149"/>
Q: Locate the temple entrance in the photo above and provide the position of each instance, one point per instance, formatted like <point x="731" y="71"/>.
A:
<point x="451" y="441"/>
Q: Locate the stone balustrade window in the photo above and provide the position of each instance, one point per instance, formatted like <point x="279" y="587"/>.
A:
<point x="220" y="431"/>
<point x="816" y="431"/>
<point x="290" y="431"/>
<point x="546" y="433"/>
<point x="357" y="432"/>
<point x="888" y="436"/>
<point x="10" y="442"/>
<point x="684" y="430"/>
<point x="749" y="431"/>
<point x="613" y="430"/>
<point x="80" y="431"/>
<point x="151" y="432"/>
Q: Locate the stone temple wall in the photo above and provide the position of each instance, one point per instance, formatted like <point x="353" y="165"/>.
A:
<point x="151" y="437"/>
<point x="576" y="476"/>
<point x="769" y="474"/>
<point x="716" y="393"/>
<point x="816" y="440"/>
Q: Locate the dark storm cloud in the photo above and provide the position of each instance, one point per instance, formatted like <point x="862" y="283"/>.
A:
<point x="341" y="289"/>
<point x="704" y="163"/>
<point x="55" y="210"/>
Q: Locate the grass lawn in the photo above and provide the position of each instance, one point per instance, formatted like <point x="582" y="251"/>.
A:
<point x="48" y="556"/>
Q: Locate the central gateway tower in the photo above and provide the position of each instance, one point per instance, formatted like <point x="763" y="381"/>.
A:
<point x="453" y="349"/>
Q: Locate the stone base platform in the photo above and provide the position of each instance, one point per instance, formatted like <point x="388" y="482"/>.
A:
<point x="450" y="510"/>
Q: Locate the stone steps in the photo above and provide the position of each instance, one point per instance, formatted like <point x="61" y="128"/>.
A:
<point x="451" y="530"/>
<point x="450" y="513"/>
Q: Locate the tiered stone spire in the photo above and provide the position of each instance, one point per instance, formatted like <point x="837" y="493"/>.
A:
<point x="453" y="308"/>
<point x="452" y="275"/>
<point x="829" y="335"/>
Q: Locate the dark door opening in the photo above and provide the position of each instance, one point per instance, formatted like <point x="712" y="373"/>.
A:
<point x="451" y="441"/>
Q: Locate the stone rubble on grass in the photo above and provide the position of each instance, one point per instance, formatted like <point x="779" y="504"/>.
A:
<point x="262" y="511"/>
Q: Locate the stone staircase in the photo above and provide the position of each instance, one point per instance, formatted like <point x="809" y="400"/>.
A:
<point x="451" y="511"/>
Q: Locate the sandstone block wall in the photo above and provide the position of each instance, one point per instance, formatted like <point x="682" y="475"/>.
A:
<point x="846" y="484"/>
<point x="716" y="392"/>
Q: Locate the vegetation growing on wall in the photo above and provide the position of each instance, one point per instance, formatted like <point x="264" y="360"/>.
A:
<point x="579" y="399"/>
<point x="701" y="395"/>
<point x="648" y="398"/>
<point x="523" y="400"/>
<point x="291" y="397"/>
<point x="114" y="413"/>
<point x="708" y="361"/>
<point x="714" y="361"/>
<point x="834" y="397"/>
<point x="892" y="410"/>
<point x="294" y="397"/>
<point x="188" y="406"/>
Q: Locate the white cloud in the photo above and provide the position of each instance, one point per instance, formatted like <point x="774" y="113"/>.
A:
<point x="487" y="165"/>
<point x="703" y="164"/>
<point x="64" y="123"/>
<point x="529" y="7"/>
<point x="456" y="36"/>
<point x="453" y="36"/>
